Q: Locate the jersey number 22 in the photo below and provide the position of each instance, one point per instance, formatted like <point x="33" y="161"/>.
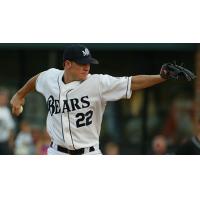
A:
<point x="84" y="119"/>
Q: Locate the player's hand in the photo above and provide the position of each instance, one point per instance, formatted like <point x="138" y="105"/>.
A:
<point x="17" y="102"/>
<point x="174" y="71"/>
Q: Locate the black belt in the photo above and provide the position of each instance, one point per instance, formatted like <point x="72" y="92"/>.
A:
<point x="72" y="152"/>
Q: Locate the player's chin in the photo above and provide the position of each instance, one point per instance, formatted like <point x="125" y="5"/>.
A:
<point x="83" y="77"/>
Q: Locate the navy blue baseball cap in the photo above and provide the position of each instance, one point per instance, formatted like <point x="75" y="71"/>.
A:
<point x="79" y="54"/>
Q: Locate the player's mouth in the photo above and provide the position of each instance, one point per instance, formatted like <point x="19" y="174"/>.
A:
<point x="84" y="73"/>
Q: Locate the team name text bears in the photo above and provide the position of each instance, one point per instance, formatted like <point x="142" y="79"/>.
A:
<point x="69" y="105"/>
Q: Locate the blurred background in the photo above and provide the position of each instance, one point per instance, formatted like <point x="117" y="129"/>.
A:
<point x="154" y="121"/>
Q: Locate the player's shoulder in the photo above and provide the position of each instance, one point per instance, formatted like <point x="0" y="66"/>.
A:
<point x="95" y="77"/>
<point x="48" y="76"/>
<point x="51" y="73"/>
<point x="103" y="78"/>
<point x="98" y="76"/>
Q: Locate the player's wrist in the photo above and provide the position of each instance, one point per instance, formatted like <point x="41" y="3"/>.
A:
<point x="163" y="77"/>
<point x="164" y="74"/>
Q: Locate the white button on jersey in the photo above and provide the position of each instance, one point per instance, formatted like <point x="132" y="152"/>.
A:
<point x="75" y="110"/>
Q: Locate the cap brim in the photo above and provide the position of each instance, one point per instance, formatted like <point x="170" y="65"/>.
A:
<point x="87" y="61"/>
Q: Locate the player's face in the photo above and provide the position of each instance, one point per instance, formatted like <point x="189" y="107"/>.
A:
<point x="79" y="72"/>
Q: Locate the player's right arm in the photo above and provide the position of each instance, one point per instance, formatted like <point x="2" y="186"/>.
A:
<point x="18" y="99"/>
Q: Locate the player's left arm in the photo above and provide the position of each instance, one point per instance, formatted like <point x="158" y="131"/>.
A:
<point x="144" y="81"/>
<point x="168" y="71"/>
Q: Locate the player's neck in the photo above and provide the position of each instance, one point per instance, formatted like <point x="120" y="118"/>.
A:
<point x="67" y="79"/>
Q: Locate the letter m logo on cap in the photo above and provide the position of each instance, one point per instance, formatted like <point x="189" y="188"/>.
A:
<point x="86" y="52"/>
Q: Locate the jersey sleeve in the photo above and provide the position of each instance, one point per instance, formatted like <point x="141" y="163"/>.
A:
<point x="114" y="88"/>
<point x="42" y="82"/>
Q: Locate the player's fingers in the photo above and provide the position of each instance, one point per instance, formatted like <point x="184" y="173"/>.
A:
<point x="16" y="110"/>
<point x="187" y="76"/>
<point x="16" y="104"/>
<point x="187" y="73"/>
<point x="191" y="74"/>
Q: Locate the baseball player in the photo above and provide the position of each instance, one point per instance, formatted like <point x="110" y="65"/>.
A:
<point x="76" y="100"/>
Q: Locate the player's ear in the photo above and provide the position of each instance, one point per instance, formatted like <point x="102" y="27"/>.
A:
<point x="67" y="64"/>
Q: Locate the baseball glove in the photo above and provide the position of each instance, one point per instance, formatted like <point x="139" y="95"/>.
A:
<point x="174" y="71"/>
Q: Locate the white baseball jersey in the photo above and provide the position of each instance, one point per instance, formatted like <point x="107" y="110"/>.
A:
<point x="6" y="123"/>
<point x="75" y="110"/>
